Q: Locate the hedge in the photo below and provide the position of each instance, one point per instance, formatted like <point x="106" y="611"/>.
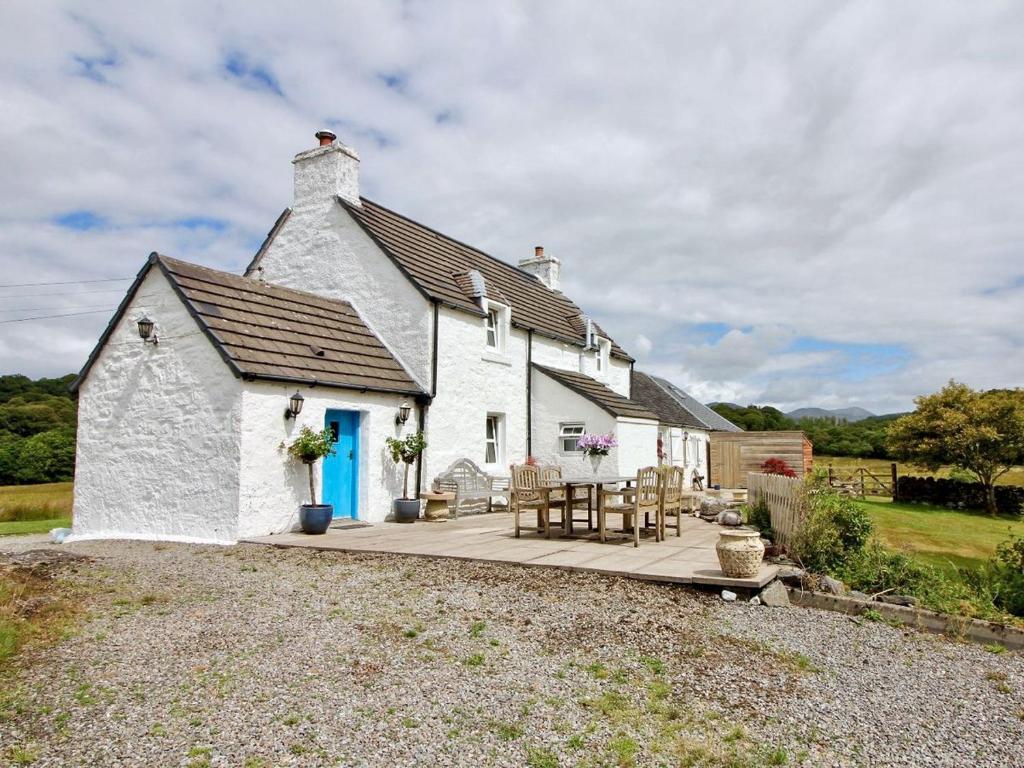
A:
<point x="955" y="493"/>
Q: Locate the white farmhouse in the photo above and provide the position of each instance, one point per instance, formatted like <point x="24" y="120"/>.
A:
<point x="383" y="326"/>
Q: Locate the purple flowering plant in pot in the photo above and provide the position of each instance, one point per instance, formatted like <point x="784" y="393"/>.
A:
<point x="596" y="447"/>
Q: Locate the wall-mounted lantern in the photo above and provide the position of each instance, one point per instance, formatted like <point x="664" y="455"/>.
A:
<point x="403" y="414"/>
<point x="294" y="406"/>
<point x="146" y="331"/>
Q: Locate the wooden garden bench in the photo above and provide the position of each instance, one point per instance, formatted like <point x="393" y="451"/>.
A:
<point x="470" y="483"/>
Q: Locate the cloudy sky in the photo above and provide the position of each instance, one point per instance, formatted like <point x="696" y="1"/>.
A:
<point x="786" y="203"/>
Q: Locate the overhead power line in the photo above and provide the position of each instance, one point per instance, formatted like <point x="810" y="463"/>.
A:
<point x="50" y="317"/>
<point x="61" y="293"/>
<point x="68" y="282"/>
<point x="50" y="309"/>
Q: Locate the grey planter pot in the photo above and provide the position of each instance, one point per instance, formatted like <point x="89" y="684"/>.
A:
<point x="406" y="510"/>
<point x="315" y="518"/>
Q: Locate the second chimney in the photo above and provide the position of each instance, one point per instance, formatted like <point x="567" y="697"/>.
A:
<point x="325" y="172"/>
<point x="546" y="268"/>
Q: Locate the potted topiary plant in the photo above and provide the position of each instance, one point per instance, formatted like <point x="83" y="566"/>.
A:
<point x="407" y="450"/>
<point x="309" y="447"/>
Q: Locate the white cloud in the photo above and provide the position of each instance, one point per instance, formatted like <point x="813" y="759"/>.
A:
<point x="852" y="173"/>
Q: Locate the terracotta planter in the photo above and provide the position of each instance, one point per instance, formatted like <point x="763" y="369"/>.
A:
<point x="740" y="553"/>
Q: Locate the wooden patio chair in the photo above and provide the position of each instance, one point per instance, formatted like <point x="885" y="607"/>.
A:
<point x="530" y="495"/>
<point x="643" y="499"/>
<point x="551" y="475"/>
<point x="672" y="498"/>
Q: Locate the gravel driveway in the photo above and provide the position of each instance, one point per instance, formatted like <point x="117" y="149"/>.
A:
<point x="252" y="656"/>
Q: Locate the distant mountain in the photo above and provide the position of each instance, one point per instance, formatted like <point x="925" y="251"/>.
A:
<point x="843" y="414"/>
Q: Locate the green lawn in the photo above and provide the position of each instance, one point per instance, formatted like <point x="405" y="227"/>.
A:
<point x="948" y="539"/>
<point x="18" y="527"/>
<point x="34" y="508"/>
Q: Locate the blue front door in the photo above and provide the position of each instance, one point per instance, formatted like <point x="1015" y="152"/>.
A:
<point x="341" y="470"/>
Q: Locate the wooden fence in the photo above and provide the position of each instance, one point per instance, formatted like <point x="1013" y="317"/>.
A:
<point x="862" y="482"/>
<point x="781" y="494"/>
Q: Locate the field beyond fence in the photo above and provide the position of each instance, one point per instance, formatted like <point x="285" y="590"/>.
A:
<point x="34" y="508"/>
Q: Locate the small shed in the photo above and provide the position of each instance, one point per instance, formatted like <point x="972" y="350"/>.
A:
<point x="734" y="454"/>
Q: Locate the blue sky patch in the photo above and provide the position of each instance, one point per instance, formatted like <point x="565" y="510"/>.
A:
<point x="81" y="221"/>
<point x="251" y="75"/>
<point x="96" y="68"/>
<point x="1010" y="285"/>
<point x="711" y="333"/>
<point x="396" y="81"/>
<point x="853" y="361"/>
<point x="193" y="223"/>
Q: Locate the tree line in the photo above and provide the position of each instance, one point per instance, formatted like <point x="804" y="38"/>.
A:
<point x="863" y="439"/>
<point x="38" y="420"/>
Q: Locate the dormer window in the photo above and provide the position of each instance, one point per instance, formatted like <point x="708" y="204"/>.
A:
<point x="604" y="349"/>
<point x="491" y="324"/>
<point x="496" y="327"/>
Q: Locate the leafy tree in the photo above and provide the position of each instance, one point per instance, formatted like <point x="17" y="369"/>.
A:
<point x="309" y="447"/>
<point x="755" y="418"/>
<point x="47" y="457"/>
<point x="406" y="451"/>
<point x="981" y="432"/>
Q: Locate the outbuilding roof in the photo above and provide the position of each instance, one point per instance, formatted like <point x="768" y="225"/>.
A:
<point x="264" y="331"/>
<point x="598" y="393"/>
<point x="695" y="413"/>
<point x="438" y="265"/>
<point x="644" y="389"/>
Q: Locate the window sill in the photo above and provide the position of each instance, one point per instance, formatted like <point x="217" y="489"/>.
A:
<point x="496" y="357"/>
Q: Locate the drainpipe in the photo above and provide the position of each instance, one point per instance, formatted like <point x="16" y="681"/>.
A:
<point x="529" y="392"/>
<point x="421" y="408"/>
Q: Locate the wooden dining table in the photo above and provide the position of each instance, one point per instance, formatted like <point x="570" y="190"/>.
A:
<point x="583" y="481"/>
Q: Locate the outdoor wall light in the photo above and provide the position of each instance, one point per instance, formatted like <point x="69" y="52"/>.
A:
<point x="294" y="406"/>
<point x="686" y="437"/>
<point x="146" y="330"/>
<point x="403" y="414"/>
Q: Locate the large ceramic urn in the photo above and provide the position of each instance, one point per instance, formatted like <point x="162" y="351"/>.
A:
<point x="740" y="552"/>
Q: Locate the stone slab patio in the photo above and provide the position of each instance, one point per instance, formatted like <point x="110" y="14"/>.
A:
<point x="686" y="559"/>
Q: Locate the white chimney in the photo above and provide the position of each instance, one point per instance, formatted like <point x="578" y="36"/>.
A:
<point x="544" y="267"/>
<point x="330" y="170"/>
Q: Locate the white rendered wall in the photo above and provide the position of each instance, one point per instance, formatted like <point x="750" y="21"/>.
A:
<point x="554" y="405"/>
<point x="323" y="250"/>
<point x="472" y="382"/>
<point x="571" y="357"/>
<point x="638" y="445"/>
<point x="273" y="485"/>
<point x="158" y="428"/>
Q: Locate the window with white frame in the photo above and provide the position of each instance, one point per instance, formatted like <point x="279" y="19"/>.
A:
<point x="494" y="447"/>
<point x="496" y="325"/>
<point x="697" y="444"/>
<point x="569" y="437"/>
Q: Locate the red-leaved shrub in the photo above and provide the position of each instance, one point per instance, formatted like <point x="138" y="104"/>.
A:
<point x="775" y="466"/>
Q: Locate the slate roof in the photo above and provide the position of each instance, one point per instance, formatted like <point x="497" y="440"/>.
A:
<point x="264" y="331"/>
<point x="645" y="390"/>
<point x="705" y="416"/>
<point x="437" y="264"/>
<point x="598" y="393"/>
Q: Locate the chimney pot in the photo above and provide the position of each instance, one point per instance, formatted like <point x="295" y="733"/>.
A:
<point x="538" y="251"/>
<point x="326" y="138"/>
